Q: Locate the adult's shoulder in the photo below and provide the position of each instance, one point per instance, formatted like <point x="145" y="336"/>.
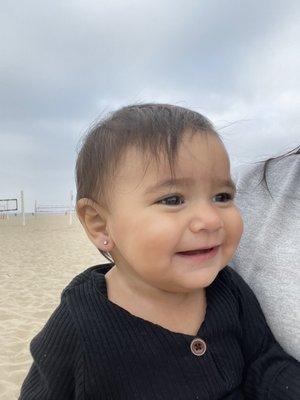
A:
<point x="248" y="175"/>
<point x="245" y="171"/>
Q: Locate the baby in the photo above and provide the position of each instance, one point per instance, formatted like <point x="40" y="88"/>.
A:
<point x="166" y="318"/>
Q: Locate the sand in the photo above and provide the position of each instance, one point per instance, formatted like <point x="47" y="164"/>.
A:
<point x="36" y="262"/>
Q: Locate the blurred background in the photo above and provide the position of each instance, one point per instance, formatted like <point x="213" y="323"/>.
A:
<point x="65" y="63"/>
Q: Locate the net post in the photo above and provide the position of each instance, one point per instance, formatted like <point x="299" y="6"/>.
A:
<point x="22" y="208"/>
<point x="70" y="210"/>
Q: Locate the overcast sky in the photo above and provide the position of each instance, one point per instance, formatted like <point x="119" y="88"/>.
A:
<point x="63" y="63"/>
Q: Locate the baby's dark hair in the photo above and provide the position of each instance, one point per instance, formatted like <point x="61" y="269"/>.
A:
<point x="151" y="128"/>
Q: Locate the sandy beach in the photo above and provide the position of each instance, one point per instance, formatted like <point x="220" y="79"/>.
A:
<point x="36" y="262"/>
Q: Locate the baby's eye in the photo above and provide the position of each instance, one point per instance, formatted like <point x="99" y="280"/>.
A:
<point x="174" y="200"/>
<point x="222" y="197"/>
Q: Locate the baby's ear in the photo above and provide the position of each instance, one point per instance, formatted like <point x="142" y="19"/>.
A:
<point x="93" y="218"/>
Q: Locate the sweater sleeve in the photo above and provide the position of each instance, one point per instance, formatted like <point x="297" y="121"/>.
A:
<point x="57" y="369"/>
<point x="270" y="373"/>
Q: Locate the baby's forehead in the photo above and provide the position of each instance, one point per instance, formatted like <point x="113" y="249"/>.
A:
<point x="193" y="160"/>
<point x="191" y="145"/>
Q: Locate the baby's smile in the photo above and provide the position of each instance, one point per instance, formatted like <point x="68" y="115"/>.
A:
<point x="200" y="254"/>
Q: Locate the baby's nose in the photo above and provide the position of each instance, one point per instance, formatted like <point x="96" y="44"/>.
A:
<point x="206" y="218"/>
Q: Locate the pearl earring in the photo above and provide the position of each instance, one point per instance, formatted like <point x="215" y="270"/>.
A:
<point x="105" y="242"/>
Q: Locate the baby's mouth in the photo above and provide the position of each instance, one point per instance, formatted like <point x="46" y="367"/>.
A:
<point x="198" y="251"/>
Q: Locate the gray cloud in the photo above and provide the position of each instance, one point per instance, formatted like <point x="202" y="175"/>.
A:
<point x="64" y="62"/>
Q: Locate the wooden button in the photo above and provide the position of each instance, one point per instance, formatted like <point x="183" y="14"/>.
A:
<point x="198" y="347"/>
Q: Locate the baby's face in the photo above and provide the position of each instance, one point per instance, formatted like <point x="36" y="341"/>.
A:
<point x="162" y="230"/>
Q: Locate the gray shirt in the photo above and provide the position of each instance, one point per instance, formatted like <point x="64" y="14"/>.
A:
<point x="268" y="256"/>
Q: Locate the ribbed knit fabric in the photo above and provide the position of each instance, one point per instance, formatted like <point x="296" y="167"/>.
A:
<point x="93" y="349"/>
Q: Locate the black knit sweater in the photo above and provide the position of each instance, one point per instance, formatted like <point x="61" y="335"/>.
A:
<point x="92" y="349"/>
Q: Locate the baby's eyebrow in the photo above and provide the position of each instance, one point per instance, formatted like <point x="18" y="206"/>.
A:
<point x="167" y="183"/>
<point x="226" y="182"/>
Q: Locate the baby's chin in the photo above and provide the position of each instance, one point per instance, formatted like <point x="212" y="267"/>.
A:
<point x="197" y="280"/>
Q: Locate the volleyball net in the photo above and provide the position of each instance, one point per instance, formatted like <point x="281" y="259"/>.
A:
<point x="66" y="209"/>
<point x="53" y="209"/>
<point x="7" y="206"/>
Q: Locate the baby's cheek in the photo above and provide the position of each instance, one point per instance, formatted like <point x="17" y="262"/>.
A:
<point x="157" y="238"/>
<point x="236" y="224"/>
<point x="240" y="226"/>
<point x="234" y="233"/>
